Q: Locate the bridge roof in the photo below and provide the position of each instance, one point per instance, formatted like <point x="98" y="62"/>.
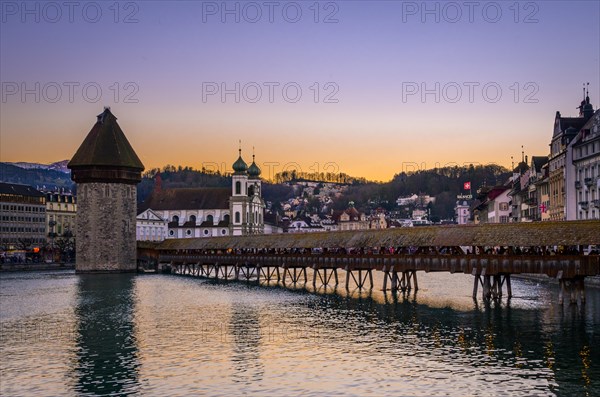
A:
<point x="511" y="234"/>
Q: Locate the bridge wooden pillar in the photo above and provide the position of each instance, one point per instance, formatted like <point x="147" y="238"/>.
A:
<point x="361" y="280"/>
<point x="409" y="279"/>
<point x="491" y="285"/>
<point x="248" y="270"/>
<point x="574" y="287"/>
<point x="268" y="272"/>
<point x="499" y="281"/>
<point x="226" y="270"/>
<point x="406" y="282"/>
<point x="294" y="273"/>
<point x="324" y="277"/>
<point x="237" y="271"/>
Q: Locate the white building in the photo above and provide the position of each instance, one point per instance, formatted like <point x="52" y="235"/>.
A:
<point x="463" y="212"/>
<point x="212" y="212"/>
<point x="419" y="214"/>
<point x="561" y="161"/>
<point x="61" y="210"/>
<point x="150" y="226"/>
<point x="493" y="206"/>
<point x="582" y="172"/>
<point x="246" y="204"/>
<point x="499" y="209"/>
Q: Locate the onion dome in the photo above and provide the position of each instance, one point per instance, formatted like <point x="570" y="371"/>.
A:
<point x="253" y="170"/>
<point x="240" y="166"/>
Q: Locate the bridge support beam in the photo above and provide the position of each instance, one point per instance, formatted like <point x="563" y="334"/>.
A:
<point x="294" y="273"/>
<point x="361" y="280"/>
<point x="324" y="277"/>
<point x="247" y="271"/>
<point x="573" y="287"/>
<point x="226" y="271"/>
<point x="406" y="282"/>
<point x="268" y="273"/>
<point x="491" y="285"/>
<point x="210" y="267"/>
<point x="409" y="280"/>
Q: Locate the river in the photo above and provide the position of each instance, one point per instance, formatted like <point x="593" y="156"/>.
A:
<point x="68" y="334"/>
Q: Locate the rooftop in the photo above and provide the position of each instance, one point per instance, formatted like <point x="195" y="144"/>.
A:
<point x="188" y="199"/>
<point x="20" y="190"/>
<point x="106" y="146"/>
<point x="509" y="234"/>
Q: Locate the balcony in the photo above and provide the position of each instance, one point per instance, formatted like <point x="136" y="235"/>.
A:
<point x="577" y="184"/>
<point x="588" y="182"/>
<point x="531" y="201"/>
<point x="584" y="205"/>
<point x="596" y="203"/>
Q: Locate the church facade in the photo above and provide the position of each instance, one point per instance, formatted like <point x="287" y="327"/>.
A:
<point x="246" y="205"/>
<point x="212" y="212"/>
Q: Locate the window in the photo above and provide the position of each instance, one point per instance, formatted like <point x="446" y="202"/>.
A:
<point x="210" y="219"/>
<point x="238" y="187"/>
<point x="193" y="219"/>
<point x="223" y="232"/>
<point x="237" y="217"/>
<point x="176" y="219"/>
<point x="206" y="232"/>
<point x="188" y="232"/>
<point x="171" y="232"/>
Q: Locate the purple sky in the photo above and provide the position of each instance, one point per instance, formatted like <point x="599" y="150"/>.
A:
<point x="367" y="119"/>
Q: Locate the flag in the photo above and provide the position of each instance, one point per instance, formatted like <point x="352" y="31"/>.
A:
<point x="543" y="208"/>
<point x="467" y="185"/>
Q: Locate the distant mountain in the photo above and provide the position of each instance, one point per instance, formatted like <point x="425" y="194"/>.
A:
<point x="42" y="178"/>
<point x="60" y="166"/>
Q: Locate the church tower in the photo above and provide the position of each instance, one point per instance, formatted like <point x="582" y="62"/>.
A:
<point x="238" y="203"/>
<point x="255" y="201"/>
<point x="106" y="170"/>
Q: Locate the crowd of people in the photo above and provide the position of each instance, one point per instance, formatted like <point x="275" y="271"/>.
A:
<point x="402" y="250"/>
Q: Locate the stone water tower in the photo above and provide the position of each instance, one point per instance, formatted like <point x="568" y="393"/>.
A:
<point x="106" y="171"/>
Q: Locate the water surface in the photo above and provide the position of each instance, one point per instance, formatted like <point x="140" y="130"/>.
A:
<point x="67" y="334"/>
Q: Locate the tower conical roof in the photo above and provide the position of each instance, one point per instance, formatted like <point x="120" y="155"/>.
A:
<point x="106" y="146"/>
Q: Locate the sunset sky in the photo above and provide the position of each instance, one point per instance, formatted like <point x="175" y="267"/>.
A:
<point x="361" y="67"/>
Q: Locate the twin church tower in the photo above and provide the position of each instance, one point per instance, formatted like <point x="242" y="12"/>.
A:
<point x="106" y="171"/>
<point x="246" y="204"/>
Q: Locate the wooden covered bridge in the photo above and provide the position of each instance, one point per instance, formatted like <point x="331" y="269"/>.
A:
<point x="491" y="253"/>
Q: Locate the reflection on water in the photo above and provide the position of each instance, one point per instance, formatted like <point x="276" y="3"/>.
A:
<point x="244" y="328"/>
<point x="165" y="335"/>
<point x="106" y="347"/>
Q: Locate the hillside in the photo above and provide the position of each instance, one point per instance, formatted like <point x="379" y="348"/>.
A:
<point x="442" y="183"/>
<point x="36" y="177"/>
